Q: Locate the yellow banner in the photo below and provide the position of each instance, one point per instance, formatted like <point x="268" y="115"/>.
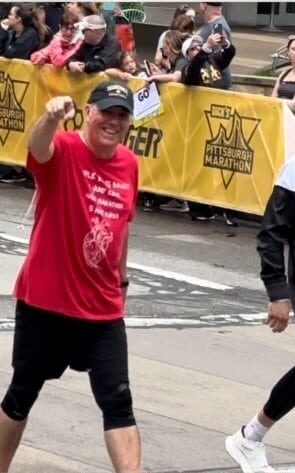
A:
<point x="214" y="147"/>
<point x="209" y="146"/>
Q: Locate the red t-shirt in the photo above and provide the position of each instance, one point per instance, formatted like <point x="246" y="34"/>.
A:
<point x="83" y="207"/>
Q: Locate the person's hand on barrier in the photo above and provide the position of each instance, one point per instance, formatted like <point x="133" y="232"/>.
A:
<point x="153" y="78"/>
<point x="76" y="66"/>
<point x="278" y="315"/>
<point x="41" y="61"/>
<point x="61" y="108"/>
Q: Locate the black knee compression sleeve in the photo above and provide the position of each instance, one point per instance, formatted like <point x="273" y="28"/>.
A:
<point x="116" y="407"/>
<point x="20" y="397"/>
<point x="282" y="397"/>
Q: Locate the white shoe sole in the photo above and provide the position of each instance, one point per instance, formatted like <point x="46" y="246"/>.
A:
<point x="237" y="455"/>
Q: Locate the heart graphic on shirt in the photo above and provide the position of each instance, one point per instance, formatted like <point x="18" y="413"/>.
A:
<point x="96" y="243"/>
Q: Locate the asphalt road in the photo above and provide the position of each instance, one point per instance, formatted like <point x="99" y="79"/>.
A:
<point x="201" y="359"/>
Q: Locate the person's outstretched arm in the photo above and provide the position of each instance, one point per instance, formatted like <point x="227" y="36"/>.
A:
<point x="40" y="143"/>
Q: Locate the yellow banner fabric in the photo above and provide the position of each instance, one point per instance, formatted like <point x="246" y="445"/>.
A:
<point x="210" y="146"/>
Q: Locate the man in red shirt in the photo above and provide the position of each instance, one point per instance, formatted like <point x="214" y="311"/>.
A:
<point x="71" y="289"/>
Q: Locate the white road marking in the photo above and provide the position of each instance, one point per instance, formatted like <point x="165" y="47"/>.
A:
<point x="150" y="270"/>
<point x="138" y="322"/>
<point x="186" y="238"/>
<point x="179" y="277"/>
<point x="16" y="239"/>
<point x="215" y="320"/>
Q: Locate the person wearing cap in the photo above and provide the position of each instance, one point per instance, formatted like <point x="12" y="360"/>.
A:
<point x="204" y="64"/>
<point x="207" y="61"/>
<point x="285" y="84"/>
<point x="205" y="67"/>
<point x="71" y="288"/>
<point x="99" y="50"/>
<point x="211" y="14"/>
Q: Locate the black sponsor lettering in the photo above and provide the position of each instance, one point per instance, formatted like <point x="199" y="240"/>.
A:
<point x="230" y="160"/>
<point x="139" y="145"/>
<point x="144" y="141"/>
<point x="154" y="138"/>
<point x="12" y="124"/>
<point x="219" y="111"/>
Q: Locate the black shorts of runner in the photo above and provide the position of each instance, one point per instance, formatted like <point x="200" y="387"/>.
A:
<point x="46" y="343"/>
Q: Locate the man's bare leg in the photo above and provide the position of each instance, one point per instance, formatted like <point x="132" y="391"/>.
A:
<point x="124" y="449"/>
<point x="10" y="436"/>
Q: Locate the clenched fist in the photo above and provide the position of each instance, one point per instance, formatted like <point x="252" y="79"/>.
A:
<point x="60" y="108"/>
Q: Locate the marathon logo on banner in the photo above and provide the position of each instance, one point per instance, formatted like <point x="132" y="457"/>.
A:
<point x="229" y="148"/>
<point x="12" y="114"/>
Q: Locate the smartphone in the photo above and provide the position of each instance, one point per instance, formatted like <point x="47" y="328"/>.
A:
<point x="217" y="28"/>
<point x="147" y="68"/>
<point x="149" y="73"/>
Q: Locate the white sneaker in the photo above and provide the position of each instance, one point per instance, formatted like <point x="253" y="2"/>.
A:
<point x="175" y="206"/>
<point x="249" y="455"/>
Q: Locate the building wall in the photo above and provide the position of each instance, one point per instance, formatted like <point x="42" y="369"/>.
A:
<point x="237" y="13"/>
<point x="241" y="13"/>
<point x="162" y="13"/>
<point x="245" y="14"/>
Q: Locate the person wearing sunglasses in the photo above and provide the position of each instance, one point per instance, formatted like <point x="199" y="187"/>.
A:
<point x="63" y="46"/>
<point x="285" y="85"/>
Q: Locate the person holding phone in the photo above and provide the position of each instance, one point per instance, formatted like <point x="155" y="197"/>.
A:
<point x="207" y="62"/>
<point x="214" y="22"/>
<point x="205" y="67"/>
<point x="217" y="28"/>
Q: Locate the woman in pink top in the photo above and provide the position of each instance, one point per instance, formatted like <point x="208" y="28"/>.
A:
<point x="63" y="46"/>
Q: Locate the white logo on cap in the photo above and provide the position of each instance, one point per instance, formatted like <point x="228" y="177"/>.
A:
<point x="117" y="91"/>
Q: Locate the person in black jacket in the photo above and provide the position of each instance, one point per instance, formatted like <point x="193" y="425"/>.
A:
<point x="20" y="36"/>
<point x="99" y="50"/>
<point x="206" y="65"/>
<point x="278" y="228"/>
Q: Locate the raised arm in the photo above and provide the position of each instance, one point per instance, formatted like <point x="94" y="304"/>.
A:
<point x="40" y="142"/>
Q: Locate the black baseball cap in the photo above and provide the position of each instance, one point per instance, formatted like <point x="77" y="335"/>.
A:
<point x="112" y="94"/>
<point x="215" y="4"/>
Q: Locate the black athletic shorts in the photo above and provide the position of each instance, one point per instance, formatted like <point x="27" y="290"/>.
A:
<point x="46" y="343"/>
